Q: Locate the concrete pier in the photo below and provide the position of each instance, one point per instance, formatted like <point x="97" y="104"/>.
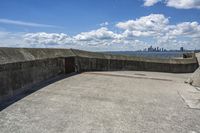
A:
<point x="108" y="102"/>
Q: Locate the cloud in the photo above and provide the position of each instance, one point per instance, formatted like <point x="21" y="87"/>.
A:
<point x="186" y="29"/>
<point x="9" y="39"/>
<point x="179" y="4"/>
<point x="150" y="25"/>
<point x="155" y="25"/>
<point x="104" y="24"/>
<point x="158" y="29"/>
<point x="99" y="37"/>
<point x="183" y="4"/>
<point x="22" y="23"/>
<point x="154" y="29"/>
<point x="48" y="39"/>
<point x="99" y="34"/>
<point x="150" y="2"/>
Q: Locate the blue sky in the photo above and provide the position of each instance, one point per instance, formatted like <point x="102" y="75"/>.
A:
<point x="100" y="24"/>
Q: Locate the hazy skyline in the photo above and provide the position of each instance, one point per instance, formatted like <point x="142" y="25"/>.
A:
<point x="100" y="24"/>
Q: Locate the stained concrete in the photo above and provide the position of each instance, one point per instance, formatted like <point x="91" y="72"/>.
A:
<point x="24" y="67"/>
<point x="13" y="55"/>
<point x="17" y="77"/>
<point x="195" y="78"/>
<point x="110" y="102"/>
<point x="198" y="57"/>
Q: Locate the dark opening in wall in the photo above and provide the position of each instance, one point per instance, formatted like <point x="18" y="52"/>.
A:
<point x="69" y="65"/>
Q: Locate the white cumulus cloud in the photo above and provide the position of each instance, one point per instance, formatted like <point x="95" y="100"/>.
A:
<point x="179" y="4"/>
<point x="183" y="4"/>
<point x="43" y="38"/>
<point x="150" y="25"/>
<point x="99" y="34"/>
<point x="98" y="37"/>
<point x="157" y="27"/>
<point x="9" y="39"/>
<point x="104" y="24"/>
<point x="154" y="29"/>
<point x="150" y="2"/>
<point x="187" y="29"/>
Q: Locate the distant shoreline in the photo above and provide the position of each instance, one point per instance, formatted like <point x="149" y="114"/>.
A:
<point x="164" y="55"/>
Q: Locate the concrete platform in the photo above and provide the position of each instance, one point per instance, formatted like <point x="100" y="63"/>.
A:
<point x="106" y="102"/>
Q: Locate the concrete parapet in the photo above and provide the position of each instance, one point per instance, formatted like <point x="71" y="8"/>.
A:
<point x="11" y="55"/>
<point x="24" y="67"/>
<point x="15" y="77"/>
<point x="90" y="61"/>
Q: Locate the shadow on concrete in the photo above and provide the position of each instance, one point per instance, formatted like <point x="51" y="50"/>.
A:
<point x="32" y="89"/>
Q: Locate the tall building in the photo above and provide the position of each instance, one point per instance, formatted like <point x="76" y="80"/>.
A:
<point x="181" y="49"/>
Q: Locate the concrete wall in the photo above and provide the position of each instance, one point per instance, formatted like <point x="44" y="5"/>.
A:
<point x="96" y="64"/>
<point x="15" y="77"/>
<point x="11" y="55"/>
<point x="198" y="57"/>
<point x="21" y="68"/>
<point x="89" y="61"/>
<point x="195" y="78"/>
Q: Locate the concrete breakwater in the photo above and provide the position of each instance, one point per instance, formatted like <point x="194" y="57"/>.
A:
<point x="21" y="68"/>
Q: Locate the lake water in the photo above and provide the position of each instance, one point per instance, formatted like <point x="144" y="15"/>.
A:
<point x="165" y="55"/>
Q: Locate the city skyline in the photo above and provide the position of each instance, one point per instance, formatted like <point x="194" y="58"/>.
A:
<point x="160" y="49"/>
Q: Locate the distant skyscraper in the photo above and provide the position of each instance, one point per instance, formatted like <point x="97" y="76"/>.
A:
<point x="181" y="49"/>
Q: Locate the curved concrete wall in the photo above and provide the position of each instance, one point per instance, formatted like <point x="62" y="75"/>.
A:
<point x="24" y="67"/>
<point x="21" y="68"/>
<point x="16" y="77"/>
<point x="90" y="61"/>
<point x="96" y="64"/>
<point x="11" y="55"/>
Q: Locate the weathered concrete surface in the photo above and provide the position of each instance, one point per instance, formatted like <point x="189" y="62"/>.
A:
<point x="96" y="64"/>
<point x="91" y="61"/>
<point x="17" y="77"/>
<point x="198" y="57"/>
<point x="13" y="55"/>
<point x="132" y="102"/>
<point x="195" y="78"/>
<point x="24" y="67"/>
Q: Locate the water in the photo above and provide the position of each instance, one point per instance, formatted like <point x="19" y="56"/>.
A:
<point x="164" y="55"/>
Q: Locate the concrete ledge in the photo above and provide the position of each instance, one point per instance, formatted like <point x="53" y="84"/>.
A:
<point x="22" y="67"/>
<point x="97" y="64"/>
<point x="86" y="54"/>
<point x="11" y="55"/>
